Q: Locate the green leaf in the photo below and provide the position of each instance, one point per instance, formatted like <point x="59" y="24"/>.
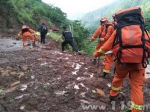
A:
<point x="93" y="91"/>
<point x="66" y="95"/>
<point x="1" y="90"/>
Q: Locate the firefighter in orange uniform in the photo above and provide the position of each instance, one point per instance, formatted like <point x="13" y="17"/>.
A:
<point x="136" y="77"/>
<point x="27" y="32"/>
<point x="104" y="32"/>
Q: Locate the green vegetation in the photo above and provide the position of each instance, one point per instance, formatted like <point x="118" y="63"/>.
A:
<point x="31" y="11"/>
<point x="54" y="36"/>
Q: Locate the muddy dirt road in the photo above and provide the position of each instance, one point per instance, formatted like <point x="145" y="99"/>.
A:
<point x="42" y="79"/>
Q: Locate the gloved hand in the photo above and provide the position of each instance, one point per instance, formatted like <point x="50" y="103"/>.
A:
<point x="102" y="39"/>
<point x="18" y="35"/>
<point x="92" y="39"/>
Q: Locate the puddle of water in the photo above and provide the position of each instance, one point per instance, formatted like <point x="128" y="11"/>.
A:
<point x="10" y="44"/>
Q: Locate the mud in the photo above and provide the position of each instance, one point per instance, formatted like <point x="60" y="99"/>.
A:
<point x="9" y="44"/>
<point x="42" y="79"/>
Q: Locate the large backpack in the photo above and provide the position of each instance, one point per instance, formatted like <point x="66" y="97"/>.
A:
<point x="104" y="29"/>
<point x="132" y="43"/>
<point x="24" y="28"/>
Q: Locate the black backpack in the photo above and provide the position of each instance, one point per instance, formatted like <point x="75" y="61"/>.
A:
<point x="67" y="35"/>
<point x="44" y="29"/>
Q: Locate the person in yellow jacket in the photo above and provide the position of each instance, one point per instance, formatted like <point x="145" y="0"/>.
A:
<point x="26" y="32"/>
<point x="104" y="31"/>
<point x="136" y="77"/>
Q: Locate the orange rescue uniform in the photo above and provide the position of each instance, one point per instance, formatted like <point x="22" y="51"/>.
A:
<point x="136" y="77"/>
<point x="26" y="35"/>
<point x="104" y="36"/>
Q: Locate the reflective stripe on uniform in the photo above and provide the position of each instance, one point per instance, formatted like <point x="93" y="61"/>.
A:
<point x="116" y="88"/>
<point x="106" y="71"/>
<point x="101" y="51"/>
<point x="138" y="107"/>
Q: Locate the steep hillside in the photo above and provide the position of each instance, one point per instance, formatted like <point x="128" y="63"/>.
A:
<point x="15" y="13"/>
<point x="91" y="20"/>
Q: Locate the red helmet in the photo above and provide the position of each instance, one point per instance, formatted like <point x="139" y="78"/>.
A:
<point x="103" y="19"/>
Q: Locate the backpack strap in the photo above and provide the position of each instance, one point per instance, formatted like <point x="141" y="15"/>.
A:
<point x="145" y="49"/>
<point x="147" y="33"/>
<point x="109" y="24"/>
<point x="101" y="32"/>
<point x="118" y="36"/>
<point x="106" y="25"/>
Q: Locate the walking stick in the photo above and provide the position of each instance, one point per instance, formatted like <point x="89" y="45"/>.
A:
<point x="33" y="43"/>
<point x="99" y="66"/>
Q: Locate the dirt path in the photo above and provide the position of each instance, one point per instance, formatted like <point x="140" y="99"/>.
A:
<point x="42" y="79"/>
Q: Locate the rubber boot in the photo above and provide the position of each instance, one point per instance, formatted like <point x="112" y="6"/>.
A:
<point x="33" y="43"/>
<point x="104" y="74"/>
<point x="120" y="96"/>
<point x="112" y="98"/>
<point x="24" y="44"/>
<point x="94" y="61"/>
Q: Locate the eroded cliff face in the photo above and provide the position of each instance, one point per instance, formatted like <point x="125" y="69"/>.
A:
<point x="10" y="29"/>
<point x="8" y="21"/>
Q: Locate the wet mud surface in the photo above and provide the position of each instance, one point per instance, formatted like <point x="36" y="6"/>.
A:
<point x="9" y="44"/>
<point x="42" y="79"/>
